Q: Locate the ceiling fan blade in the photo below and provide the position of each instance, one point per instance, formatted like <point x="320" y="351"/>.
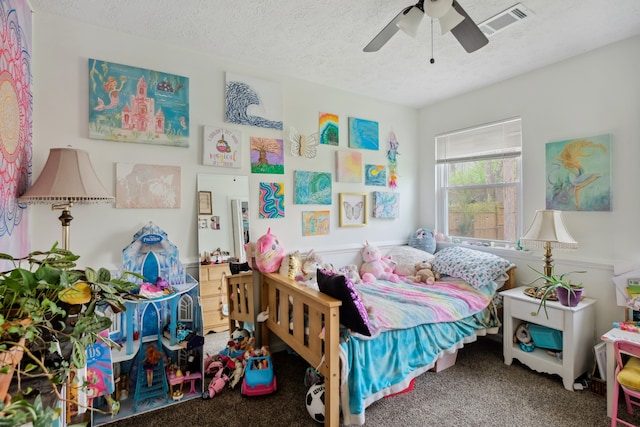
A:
<point x="467" y="32"/>
<point x="387" y="32"/>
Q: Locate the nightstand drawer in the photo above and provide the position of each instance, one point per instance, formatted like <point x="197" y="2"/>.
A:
<point x="528" y="312"/>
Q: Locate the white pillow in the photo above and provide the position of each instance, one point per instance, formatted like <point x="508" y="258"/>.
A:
<point x="406" y="258"/>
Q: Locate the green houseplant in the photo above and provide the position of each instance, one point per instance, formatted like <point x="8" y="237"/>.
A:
<point x="48" y="316"/>
<point x="557" y="285"/>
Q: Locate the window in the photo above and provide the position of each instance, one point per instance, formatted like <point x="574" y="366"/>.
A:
<point x="478" y="179"/>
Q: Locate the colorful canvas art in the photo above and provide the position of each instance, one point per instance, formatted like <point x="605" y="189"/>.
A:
<point x="147" y="186"/>
<point x="253" y="102"/>
<point x="131" y="104"/>
<point x="348" y="166"/>
<point x="363" y="134"/>
<point x="315" y="223"/>
<point x="578" y="173"/>
<point x="312" y="188"/>
<point x="375" y="175"/>
<point x="267" y="155"/>
<point x="222" y="147"/>
<point x="271" y="200"/>
<point x="16" y="153"/>
<point x="386" y="205"/>
<point x="329" y="129"/>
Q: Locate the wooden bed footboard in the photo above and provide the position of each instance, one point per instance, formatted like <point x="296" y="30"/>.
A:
<point x="309" y="322"/>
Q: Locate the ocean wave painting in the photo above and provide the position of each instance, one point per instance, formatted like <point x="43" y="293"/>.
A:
<point x="253" y="102"/>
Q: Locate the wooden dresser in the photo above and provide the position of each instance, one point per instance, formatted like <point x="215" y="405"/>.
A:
<point x="213" y="296"/>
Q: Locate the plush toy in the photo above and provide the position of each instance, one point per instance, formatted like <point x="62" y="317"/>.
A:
<point x="269" y="253"/>
<point x="424" y="273"/>
<point x="351" y="272"/>
<point x="291" y="265"/>
<point x="374" y="266"/>
<point x="309" y="272"/>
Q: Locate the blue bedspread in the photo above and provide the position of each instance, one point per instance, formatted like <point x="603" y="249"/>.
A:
<point x="378" y="367"/>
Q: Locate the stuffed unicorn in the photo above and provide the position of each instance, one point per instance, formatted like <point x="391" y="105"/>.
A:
<point x="374" y="266"/>
<point x="269" y="253"/>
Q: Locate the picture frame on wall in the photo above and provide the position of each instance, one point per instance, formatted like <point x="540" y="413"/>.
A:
<point x="205" y="206"/>
<point x="353" y="209"/>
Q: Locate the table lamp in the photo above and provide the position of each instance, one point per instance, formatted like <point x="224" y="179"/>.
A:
<point x="68" y="178"/>
<point x="548" y="231"/>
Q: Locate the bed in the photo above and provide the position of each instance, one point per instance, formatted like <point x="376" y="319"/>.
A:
<point x="312" y="323"/>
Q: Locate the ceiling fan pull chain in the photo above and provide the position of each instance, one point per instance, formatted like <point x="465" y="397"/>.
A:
<point x="433" y="61"/>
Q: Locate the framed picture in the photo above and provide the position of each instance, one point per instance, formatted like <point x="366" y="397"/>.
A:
<point x="204" y="203"/>
<point x="353" y="209"/>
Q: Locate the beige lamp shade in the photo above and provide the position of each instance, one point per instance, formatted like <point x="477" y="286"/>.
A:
<point x="68" y="176"/>
<point x="548" y="227"/>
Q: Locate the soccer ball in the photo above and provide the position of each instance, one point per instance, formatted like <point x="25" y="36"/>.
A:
<point x="315" y="402"/>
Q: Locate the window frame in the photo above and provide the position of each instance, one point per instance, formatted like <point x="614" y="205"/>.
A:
<point x="442" y="178"/>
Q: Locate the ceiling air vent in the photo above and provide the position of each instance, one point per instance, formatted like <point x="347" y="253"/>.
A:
<point x="504" y="19"/>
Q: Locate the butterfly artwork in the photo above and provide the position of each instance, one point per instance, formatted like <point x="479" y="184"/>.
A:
<point x="303" y="146"/>
<point x="353" y="209"/>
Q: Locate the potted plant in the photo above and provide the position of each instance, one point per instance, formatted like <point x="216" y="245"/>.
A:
<point x="559" y="285"/>
<point x="50" y="313"/>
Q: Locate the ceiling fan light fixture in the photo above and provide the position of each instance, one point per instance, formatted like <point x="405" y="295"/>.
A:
<point x="437" y="8"/>
<point x="450" y="20"/>
<point x="411" y="21"/>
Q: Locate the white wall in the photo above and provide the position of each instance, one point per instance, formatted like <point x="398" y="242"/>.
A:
<point x="591" y="94"/>
<point x="100" y="232"/>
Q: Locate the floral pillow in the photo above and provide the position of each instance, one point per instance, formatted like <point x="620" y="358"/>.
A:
<point x="476" y="267"/>
<point x="353" y="313"/>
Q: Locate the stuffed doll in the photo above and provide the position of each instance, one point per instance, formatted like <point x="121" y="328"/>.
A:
<point x="351" y="272"/>
<point x="424" y="274"/>
<point x="374" y="266"/>
<point x="309" y="272"/>
<point x="269" y="253"/>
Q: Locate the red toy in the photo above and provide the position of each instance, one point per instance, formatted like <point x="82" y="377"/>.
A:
<point x="258" y="377"/>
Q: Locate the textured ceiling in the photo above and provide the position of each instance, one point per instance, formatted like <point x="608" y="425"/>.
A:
<point x="322" y="41"/>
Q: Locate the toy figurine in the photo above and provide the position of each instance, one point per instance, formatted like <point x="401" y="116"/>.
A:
<point x="152" y="357"/>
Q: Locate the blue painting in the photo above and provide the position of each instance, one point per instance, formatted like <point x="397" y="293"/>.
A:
<point x="375" y="175"/>
<point x="386" y="205"/>
<point x="312" y="188"/>
<point x="579" y="174"/>
<point x="131" y="104"/>
<point x="363" y="134"/>
<point x="253" y="102"/>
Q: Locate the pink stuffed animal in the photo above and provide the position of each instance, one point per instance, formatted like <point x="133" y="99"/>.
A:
<point x="268" y="253"/>
<point x="374" y="266"/>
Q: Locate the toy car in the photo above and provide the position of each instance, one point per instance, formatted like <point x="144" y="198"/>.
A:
<point x="258" y="377"/>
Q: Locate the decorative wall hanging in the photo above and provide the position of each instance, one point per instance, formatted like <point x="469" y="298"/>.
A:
<point x="579" y="174"/>
<point x="147" y="186"/>
<point x="312" y="188"/>
<point x="348" y="166"/>
<point x="329" y="129"/>
<point x="222" y="147"/>
<point x="267" y="155"/>
<point x="392" y="156"/>
<point x="315" y="223"/>
<point x="303" y="146"/>
<point x="205" y="206"/>
<point x="363" y="134"/>
<point x="131" y="104"/>
<point x="249" y="96"/>
<point x="16" y="154"/>
<point x="271" y="200"/>
<point x="375" y="175"/>
<point x="353" y="209"/>
<point x="386" y="205"/>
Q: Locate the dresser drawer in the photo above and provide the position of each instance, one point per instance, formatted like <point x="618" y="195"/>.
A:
<point x="212" y="287"/>
<point x="215" y="321"/>
<point x="213" y="271"/>
<point x="212" y="303"/>
<point x="528" y="312"/>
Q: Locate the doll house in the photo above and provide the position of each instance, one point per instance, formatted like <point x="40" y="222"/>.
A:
<point x="160" y="358"/>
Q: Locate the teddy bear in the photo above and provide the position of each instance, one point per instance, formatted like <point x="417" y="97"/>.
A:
<point x="374" y="266"/>
<point x="424" y="274"/>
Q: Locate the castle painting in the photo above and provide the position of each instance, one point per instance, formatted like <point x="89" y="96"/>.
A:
<point x="132" y="104"/>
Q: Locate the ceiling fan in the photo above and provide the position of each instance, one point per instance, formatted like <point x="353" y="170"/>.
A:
<point x="450" y="15"/>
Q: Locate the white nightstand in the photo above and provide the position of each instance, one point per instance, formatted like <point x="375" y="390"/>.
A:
<point x="576" y="323"/>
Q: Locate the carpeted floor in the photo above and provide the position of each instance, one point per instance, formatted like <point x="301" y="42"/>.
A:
<point x="479" y="390"/>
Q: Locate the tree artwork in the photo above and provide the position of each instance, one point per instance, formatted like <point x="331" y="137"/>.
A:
<point x="267" y="155"/>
